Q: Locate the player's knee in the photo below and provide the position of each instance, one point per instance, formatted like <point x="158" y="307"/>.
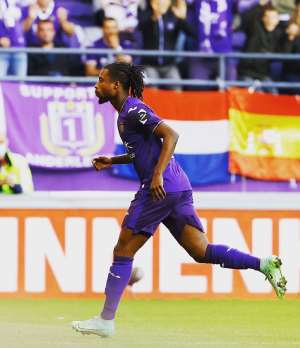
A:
<point x="198" y="253"/>
<point x="197" y="250"/>
<point x="198" y="257"/>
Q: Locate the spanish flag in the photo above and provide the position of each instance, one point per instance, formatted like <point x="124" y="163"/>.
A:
<point x="265" y="135"/>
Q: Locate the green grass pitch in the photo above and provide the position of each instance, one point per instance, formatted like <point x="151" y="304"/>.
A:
<point x="154" y="324"/>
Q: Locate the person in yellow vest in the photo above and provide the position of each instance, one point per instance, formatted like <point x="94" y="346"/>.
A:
<point x="15" y="174"/>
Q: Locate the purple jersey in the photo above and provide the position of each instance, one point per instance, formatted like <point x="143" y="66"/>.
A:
<point x="214" y="25"/>
<point x="136" y="124"/>
<point x="61" y="39"/>
<point x="14" y="33"/>
<point x="10" y="24"/>
<point x="101" y="60"/>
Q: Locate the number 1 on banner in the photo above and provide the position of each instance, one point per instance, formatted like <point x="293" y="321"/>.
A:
<point x="69" y="123"/>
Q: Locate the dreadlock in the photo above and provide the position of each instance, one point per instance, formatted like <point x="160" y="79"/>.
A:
<point x="130" y="76"/>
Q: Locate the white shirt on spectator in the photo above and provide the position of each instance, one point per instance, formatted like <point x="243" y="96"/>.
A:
<point x="123" y="11"/>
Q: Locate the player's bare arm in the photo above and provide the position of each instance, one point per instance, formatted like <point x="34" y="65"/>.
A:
<point x="170" y="138"/>
<point x="103" y="162"/>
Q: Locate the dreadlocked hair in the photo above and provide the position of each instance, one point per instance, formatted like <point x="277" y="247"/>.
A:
<point x="129" y="75"/>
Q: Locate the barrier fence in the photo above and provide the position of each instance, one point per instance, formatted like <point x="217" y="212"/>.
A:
<point x="220" y="82"/>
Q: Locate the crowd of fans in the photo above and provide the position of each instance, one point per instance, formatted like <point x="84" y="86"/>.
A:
<point x="212" y="26"/>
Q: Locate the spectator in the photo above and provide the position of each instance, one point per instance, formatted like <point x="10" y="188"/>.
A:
<point x="160" y="29"/>
<point x="47" y="9"/>
<point x="110" y="39"/>
<point x="213" y="20"/>
<point x="295" y="18"/>
<point x="11" y="35"/>
<point x="50" y="64"/>
<point x="15" y="175"/>
<point x="291" y="69"/>
<point x="251" y="15"/>
<point x="125" y="12"/>
<point x="266" y="37"/>
<point x="253" y="12"/>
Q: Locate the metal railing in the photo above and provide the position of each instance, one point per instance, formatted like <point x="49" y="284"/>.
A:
<point x="219" y="82"/>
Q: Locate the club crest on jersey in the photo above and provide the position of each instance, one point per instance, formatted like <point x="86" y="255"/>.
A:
<point x="72" y="128"/>
<point x="142" y="116"/>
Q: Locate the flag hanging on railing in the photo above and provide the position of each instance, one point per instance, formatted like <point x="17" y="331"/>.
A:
<point x="56" y="126"/>
<point x="201" y="120"/>
<point x="265" y="135"/>
<point x="63" y="127"/>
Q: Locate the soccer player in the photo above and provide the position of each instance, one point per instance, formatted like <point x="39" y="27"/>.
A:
<point x="165" y="195"/>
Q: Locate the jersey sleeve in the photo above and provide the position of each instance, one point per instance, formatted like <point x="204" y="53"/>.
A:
<point x="143" y="118"/>
<point x="3" y="31"/>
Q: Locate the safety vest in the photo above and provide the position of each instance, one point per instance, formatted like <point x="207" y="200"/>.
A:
<point x="17" y="166"/>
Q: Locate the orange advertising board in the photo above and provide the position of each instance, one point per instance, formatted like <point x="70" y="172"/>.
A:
<point x="67" y="252"/>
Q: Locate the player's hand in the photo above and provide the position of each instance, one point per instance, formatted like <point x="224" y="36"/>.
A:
<point x="180" y="9"/>
<point x="4" y="42"/>
<point x="102" y="162"/>
<point x="292" y="31"/>
<point x="123" y="58"/>
<point x="33" y="11"/>
<point x="62" y="14"/>
<point x="157" y="187"/>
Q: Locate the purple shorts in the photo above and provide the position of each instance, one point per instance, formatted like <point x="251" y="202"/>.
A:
<point x="175" y="211"/>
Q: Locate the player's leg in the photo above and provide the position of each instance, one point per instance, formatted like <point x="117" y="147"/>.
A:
<point x="120" y="271"/>
<point x="140" y="223"/>
<point x="118" y="277"/>
<point x="194" y="241"/>
<point x="186" y="227"/>
<point x="144" y="215"/>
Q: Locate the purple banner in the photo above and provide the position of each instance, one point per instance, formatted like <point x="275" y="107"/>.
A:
<point x="57" y="126"/>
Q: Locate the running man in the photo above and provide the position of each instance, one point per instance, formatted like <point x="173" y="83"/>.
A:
<point x="165" y="195"/>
